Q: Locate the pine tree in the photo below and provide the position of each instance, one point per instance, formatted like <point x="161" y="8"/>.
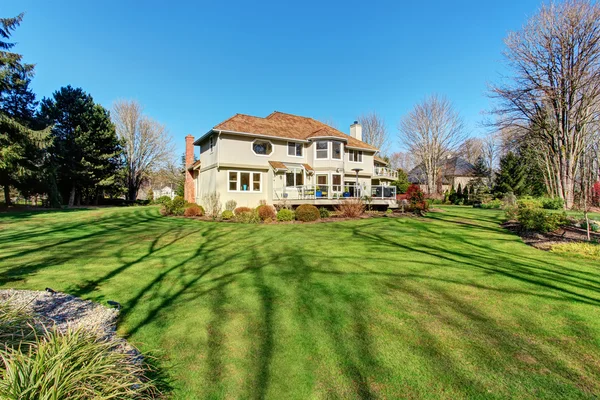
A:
<point x="511" y="177"/>
<point x="21" y="147"/>
<point x="86" y="150"/>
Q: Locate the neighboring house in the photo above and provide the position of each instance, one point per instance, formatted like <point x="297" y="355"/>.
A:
<point x="165" y="191"/>
<point x="456" y="171"/>
<point x="285" y="158"/>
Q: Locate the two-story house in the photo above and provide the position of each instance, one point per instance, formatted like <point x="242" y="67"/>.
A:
<point x="285" y="158"/>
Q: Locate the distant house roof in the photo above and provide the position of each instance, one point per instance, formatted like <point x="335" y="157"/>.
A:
<point x="455" y="166"/>
<point x="380" y="160"/>
<point x="286" y="126"/>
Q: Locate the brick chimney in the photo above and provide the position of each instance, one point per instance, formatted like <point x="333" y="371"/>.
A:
<point x="189" y="190"/>
<point x="356" y="130"/>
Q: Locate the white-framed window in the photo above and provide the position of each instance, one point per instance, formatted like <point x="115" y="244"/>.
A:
<point x="322" y="180"/>
<point x="355" y="156"/>
<point x="244" y="181"/>
<point x="322" y="149"/>
<point x="262" y="147"/>
<point x="294" y="177"/>
<point x="211" y="143"/>
<point x="336" y="182"/>
<point x="295" y="149"/>
<point x="336" y="150"/>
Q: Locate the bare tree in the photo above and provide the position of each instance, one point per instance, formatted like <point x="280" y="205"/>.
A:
<point x="402" y="160"/>
<point x="555" y="87"/>
<point x="490" y="152"/>
<point x="432" y="131"/>
<point x="374" y="131"/>
<point x="471" y="149"/>
<point x="147" y="144"/>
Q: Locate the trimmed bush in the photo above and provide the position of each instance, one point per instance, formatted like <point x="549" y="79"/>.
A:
<point x="227" y="214"/>
<point x="285" y="215"/>
<point x="194" y="210"/>
<point x="240" y="210"/>
<point x="350" y="208"/>
<point x="307" y="213"/>
<point x="493" y="204"/>
<point x="162" y="200"/>
<point x="324" y="213"/>
<point x="266" y="212"/>
<point x="247" y="217"/>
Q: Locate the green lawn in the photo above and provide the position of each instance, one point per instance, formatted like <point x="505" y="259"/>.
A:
<point x="448" y="306"/>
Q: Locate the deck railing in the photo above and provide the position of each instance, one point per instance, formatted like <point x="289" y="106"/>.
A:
<point x="386" y="172"/>
<point x="334" y="192"/>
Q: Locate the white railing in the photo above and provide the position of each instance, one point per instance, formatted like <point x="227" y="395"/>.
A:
<point x="386" y="172"/>
<point x="333" y="192"/>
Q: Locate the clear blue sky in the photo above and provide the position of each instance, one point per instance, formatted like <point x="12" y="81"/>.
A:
<point x="193" y="64"/>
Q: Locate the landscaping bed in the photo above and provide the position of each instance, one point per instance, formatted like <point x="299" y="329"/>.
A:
<point x="546" y="240"/>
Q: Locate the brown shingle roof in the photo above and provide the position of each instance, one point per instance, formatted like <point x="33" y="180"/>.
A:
<point x="277" y="165"/>
<point x="287" y="126"/>
<point x="308" y="168"/>
<point x="380" y="160"/>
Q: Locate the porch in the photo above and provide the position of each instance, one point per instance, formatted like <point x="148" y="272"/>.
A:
<point x="334" y="194"/>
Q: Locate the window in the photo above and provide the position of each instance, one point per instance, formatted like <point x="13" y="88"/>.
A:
<point x="336" y="182"/>
<point x="295" y="149"/>
<point x="336" y="150"/>
<point x="294" y="177"/>
<point x="211" y="143"/>
<point x="245" y="181"/>
<point x="262" y="147"/>
<point x="355" y="155"/>
<point x="233" y="180"/>
<point x="322" y="149"/>
<point x="322" y="180"/>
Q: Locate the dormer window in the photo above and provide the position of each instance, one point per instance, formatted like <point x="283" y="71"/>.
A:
<point x="322" y="149"/>
<point x="262" y="147"/>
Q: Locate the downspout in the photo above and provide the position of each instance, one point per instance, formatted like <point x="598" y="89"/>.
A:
<point x="218" y="149"/>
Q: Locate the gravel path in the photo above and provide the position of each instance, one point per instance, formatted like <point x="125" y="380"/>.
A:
<point x="61" y="311"/>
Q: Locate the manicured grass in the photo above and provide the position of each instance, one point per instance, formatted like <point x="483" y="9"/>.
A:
<point x="447" y="306"/>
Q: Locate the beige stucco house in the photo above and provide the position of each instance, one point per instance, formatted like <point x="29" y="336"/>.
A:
<point x="285" y="158"/>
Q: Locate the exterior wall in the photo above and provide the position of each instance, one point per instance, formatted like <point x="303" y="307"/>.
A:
<point x="244" y="199"/>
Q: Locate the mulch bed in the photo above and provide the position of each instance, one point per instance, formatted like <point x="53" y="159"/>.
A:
<point x="545" y="241"/>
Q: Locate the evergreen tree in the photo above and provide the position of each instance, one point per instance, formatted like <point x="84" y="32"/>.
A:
<point x="401" y="183"/>
<point x="511" y="176"/>
<point x="86" y="150"/>
<point x="459" y="194"/>
<point x="21" y="147"/>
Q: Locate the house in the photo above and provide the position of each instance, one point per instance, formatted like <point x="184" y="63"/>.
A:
<point x="456" y="171"/>
<point x="165" y="191"/>
<point x="285" y="158"/>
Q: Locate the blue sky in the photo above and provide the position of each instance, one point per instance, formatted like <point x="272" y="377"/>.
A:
<point x="193" y="64"/>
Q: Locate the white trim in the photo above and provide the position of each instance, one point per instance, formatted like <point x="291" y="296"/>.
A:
<point x="257" y="135"/>
<point x="293" y="170"/>
<point x="315" y="138"/>
<point x="262" y="140"/>
<point x="239" y="181"/>
<point x="287" y="146"/>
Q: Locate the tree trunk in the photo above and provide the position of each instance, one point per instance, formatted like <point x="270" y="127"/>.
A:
<point x="72" y="196"/>
<point x="7" y="195"/>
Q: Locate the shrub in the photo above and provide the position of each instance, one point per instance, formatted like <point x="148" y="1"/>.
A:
<point x="285" y="215"/>
<point x="324" y="213"/>
<point x="194" y="210"/>
<point x="307" y="213"/>
<point x="212" y="201"/>
<point x="247" y="217"/>
<point x="594" y="227"/>
<point x="266" y="212"/>
<point x="580" y="249"/>
<point x="552" y="203"/>
<point x="86" y="368"/>
<point x="177" y="206"/>
<point x="534" y="218"/>
<point x="350" y="208"/>
<point x="509" y="200"/>
<point x="227" y="215"/>
<point x="596" y="194"/>
<point x="511" y="212"/>
<point x="150" y="195"/>
<point x="162" y="200"/>
<point x="240" y="210"/>
<point x="230" y="205"/>
<point x="529" y="201"/>
<point x="492" y="204"/>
